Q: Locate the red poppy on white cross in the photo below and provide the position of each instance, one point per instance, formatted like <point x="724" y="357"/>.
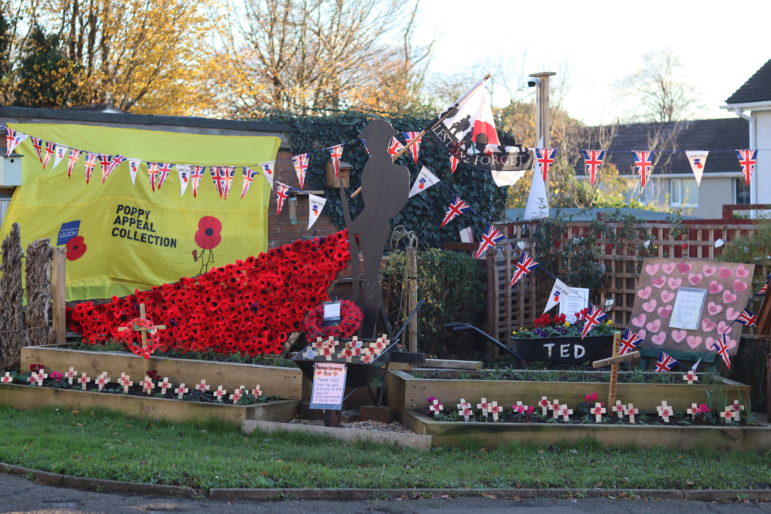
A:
<point x="435" y="407"/>
<point x="565" y="412"/>
<point x="180" y="390"/>
<point x="84" y="380"/>
<point x="347" y="354"/>
<point x="102" y="380"/>
<point x="236" y="396"/>
<point x="519" y="408"/>
<point x="317" y="344"/>
<point x="147" y="385"/>
<point x="464" y="409"/>
<point x="483" y="406"/>
<point x="257" y="392"/>
<point x="544" y="404"/>
<point x="690" y="377"/>
<point x="326" y="351"/>
<point x="692" y="410"/>
<point x="70" y="374"/>
<point x="495" y="409"/>
<point x="125" y="381"/>
<point x="665" y="411"/>
<point x="219" y="393"/>
<point x="554" y="405"/>
<point x="598" y="410"/>
<point x="738" y="408"/>
<point x="164" y="384"/>
<point x="41" y="375"/>
<point x="32" y="378"/>
<point x="728" y="413"/>
<point x="631" y="411"/>
<point x="7" y="378"/>
<point x="202" y="386"/>
<point x="366" y="358"/>
<point x="619" y="409"/>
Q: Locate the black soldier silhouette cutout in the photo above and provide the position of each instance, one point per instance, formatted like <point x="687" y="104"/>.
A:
<point x="461" y="126"/>
<point x="385" y="188"/>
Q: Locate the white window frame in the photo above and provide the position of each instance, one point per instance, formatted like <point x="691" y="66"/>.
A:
<point x="676" y="184"/>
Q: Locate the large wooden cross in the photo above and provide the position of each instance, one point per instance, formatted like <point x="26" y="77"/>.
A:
<point x="613" y="361"/>
<point x="142" y="330"/>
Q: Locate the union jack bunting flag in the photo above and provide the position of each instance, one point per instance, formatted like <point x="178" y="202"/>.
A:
<point x="72" y="160"/>
<point x="163" y="172"/>
<point x="629" y="342"/>
<point x="395" y="147"/>
<point x="152" y="173"/>
<point x="249" y="175"/>
<point x="455" y="209"/>
<point x="105" y="161"/>
<point x="643" y="161"/>
<point x="336" y="153"/>
<point x="665" y="363"/>
<point x="13" y="138"/>
<point x="763" y="290"/>
<point x="592" y="162"/>
<point x="545" y="158"/>
<point x="49" y="152"/>
<point x="524" y="265"/>
<point x="227" y="173"/>
<point x="489" y="239"/>
<point x="453" y="163"/>
<point x="746" y="317"/>
<point x="37" y="144"/>
<point x="281" y="196"/>
<point x="196" y="174"/>
<point x="594" y="316"/>
<point x="300" y="167"/>
<point x="267" y="171"/>
<point x="216" y="178"/>
<point x="721" y="347"/>
<point x="747" y="160"/>
<point x="415" y="148"/>
<point x="117" y="160"/>
<point x="88" y="167"/>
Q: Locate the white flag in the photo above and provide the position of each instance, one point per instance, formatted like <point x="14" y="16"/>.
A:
<point x="558" y="292"/>
<point x="698" y="159"/>
<point x="60" y="151"/>
<point x="315" y="205"/>
<point x="537" y="206"/>
<point x="267" y="171"/>
<point x="183" y="170"/>
<point x="133" y="169"/>
<point x="425" y="180"/>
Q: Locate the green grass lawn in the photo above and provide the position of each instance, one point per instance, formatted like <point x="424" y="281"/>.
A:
<point x="205" y="455"/>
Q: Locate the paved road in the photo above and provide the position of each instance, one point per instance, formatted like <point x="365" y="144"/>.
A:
<point x="21" y="495"/>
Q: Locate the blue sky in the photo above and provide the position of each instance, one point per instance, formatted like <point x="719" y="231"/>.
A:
<point x="594" y="44"/>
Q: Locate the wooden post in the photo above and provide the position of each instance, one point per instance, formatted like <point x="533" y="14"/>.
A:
<point x="411" y="270"/>
<point x="613" y="361"/>
<point x="58" y="293"/>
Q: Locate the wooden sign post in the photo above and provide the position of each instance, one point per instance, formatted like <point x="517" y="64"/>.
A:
<point x="613" y="361"/>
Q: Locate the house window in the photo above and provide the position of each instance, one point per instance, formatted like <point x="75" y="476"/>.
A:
<point x="683" y="192"/>
<point x="741" y="192"/>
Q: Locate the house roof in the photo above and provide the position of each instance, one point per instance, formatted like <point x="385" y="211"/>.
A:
<point x="670" y="141"/>
<point x="578" y="214"/>
<point x="756" y="89"/>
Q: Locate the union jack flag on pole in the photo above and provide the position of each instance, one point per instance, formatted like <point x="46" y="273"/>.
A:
<point x="545" y="158"/>
<point x="455" y="209"/>
<point x="721" y="347"/>
<point x="665" y="363"/>
<point x="489" y="239"/>
<point x="524" y="265"/>
<point x="747" y="160"/>
<point x="746" y="317"/>
<point x="629" y="342"/>
<point x="196" y="174"/>
<point x="643" y="161"/>
<point x="336" y="153"/>
<point x="249" y="175"/>
<point x="415" y="148"/>
<point x="594" y="316"/>
<point x="300" y="163"/>
<point x="394" y="147"/>
<point x="281" y="196"/>
<point x="592" y="162"/>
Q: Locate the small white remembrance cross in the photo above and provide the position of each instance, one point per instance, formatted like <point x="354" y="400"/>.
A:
<point x="484" y="406"/>
<point x="32" y="378"/>
<point x="257" y="392"/>
<point x="738" y="408"/>
<point x="692" y="410"/>
<point x="727" y="413"/>
<point x="181" y="390"/>
<point x="102" y="380"/>
<point x="71" y="374"/>
<point x="40" y="376"/>
<point x="518" y="408"/>
<point x="202" y="387"/>
<point x="464" y="409"/>
<point x="664" y="411"/>
<point x="219" y="393"/>
<point x="555" y="405"/>
<point x="164" y="384"/>
<point x="690" y="377"/>
<point x="83" y="380"/>
<point x="236" y="395"/>
<point x="619" y="409"/>
<point x="7" y="378"/>
<point x="598" y="410"/>
<point x="544" y="404"/>
<point x="125" y="381"/>
<point x="631" y="411"/>
<point x="495" y="409"/>
<point x="147" y="385"/>
<point x="435" y="407"/>
<point x="565" y="412"/>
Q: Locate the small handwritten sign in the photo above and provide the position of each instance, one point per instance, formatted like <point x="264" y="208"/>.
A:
<point x="576" y="301"/>
<point x="328" y="386"/>
<point x="689" y="304"/>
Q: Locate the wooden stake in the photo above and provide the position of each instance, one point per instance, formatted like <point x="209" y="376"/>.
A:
<point x="58" y="293"/>
<point x="412" y="296"/>
<point x="613" y="361"/>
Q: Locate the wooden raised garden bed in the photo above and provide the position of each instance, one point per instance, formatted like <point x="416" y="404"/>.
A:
<point x="30" y="397"/>
<point x="408" y="391"/>
<point x="274" y="380"/>
<point x="449" y="433"/>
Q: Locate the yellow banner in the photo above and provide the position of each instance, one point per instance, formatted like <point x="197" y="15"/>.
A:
<point x="122" y="236"/>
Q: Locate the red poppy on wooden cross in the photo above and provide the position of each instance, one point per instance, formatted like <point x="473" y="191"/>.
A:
<point x="366" y="358"/>
<point x="738" y="408"/>
<point x="147" y="385"/>
<point x="727" y="414"/>
<point x="257" y="392"/>
<point x="84" y="380"/>
<point x="165" y="384"/>
<point x="346" y="353"/>
<point x="544" y="404"/>
<point x="519" y="408"/>
<point x="495" y="410"/>
<point x="554" y="405"/>
<point x="631" y="411"/>
<point x="665" y="411"/>
<point x="565" y="412"/>
<point x="236" y="396"/>
<point x="102" y="380"/>
<point x="219" y="393"/>
<point x="41" y="375"/>
<point x="618" y="408"/>
<point x="70" y="374"/>
<point x="32" y="378"/>
<point x="7" y="378"/>
<point x="483" y="406"/>
<point x="598" y="410"/>
<point x="125" y="382"/>
<point x="464" y="409"/>
<point x="202" y="386"/>
<point x="180" y="390"/>
<point x="692" y="410"/>
<point x="435" y="407"/>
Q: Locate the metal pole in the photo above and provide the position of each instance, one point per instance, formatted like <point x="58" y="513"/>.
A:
<point x="542" y="118"/>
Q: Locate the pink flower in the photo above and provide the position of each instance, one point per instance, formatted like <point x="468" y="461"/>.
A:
<point x="703" y="409"/>
<point x="56" y="375"/>
<point x="530" y="409"/>
<point x="431" y="399"/>
<point x="589" y="398"/>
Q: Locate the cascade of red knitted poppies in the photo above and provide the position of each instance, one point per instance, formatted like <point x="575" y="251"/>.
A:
<point x="249" y="307"/>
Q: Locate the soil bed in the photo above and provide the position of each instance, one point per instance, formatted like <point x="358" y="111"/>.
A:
<point x="524" y="375"/>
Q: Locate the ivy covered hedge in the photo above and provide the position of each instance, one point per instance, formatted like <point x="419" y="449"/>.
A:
<point x="424" y="212"/>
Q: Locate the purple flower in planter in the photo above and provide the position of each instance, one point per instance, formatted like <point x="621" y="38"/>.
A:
<point x="539" y="332"/>
<point x="431" y="399"/>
